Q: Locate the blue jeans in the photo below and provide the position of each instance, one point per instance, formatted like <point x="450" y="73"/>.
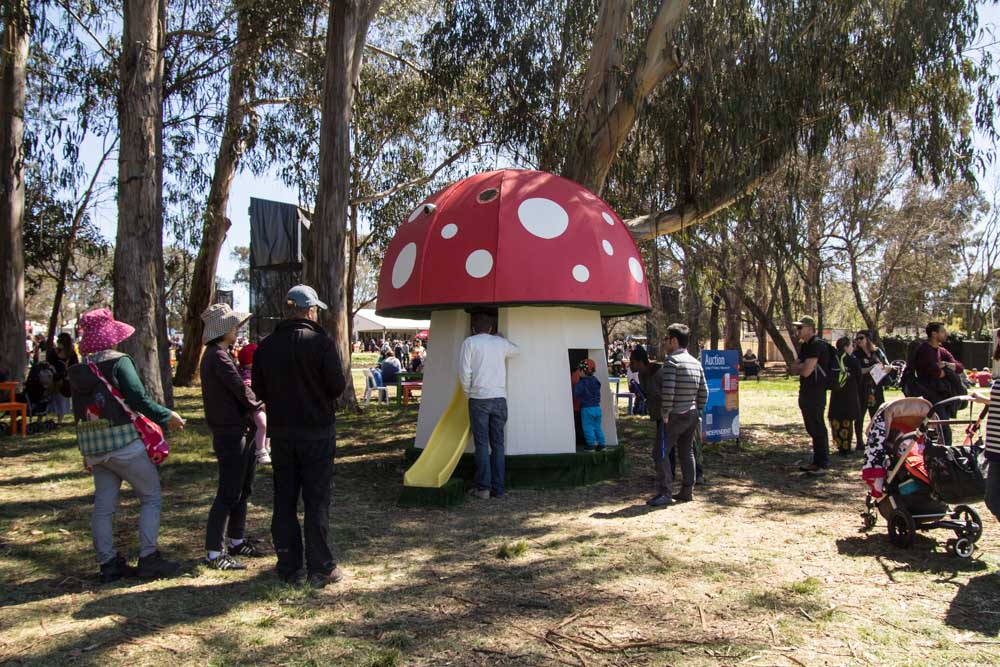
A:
<point x="591" y="420"/>
<point x="488" y="416"/>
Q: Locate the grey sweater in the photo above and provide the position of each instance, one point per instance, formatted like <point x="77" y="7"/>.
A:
<point x="684" y="386"/>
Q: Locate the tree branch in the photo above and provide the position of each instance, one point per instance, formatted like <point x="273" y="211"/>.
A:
<point x="415" y="182"/>
<point x="86" y="29"/>
<point x="686" y="214"/>
<point x="395" y="56"/>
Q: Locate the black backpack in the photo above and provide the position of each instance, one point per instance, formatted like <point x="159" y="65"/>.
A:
<point x="830" y="374"/>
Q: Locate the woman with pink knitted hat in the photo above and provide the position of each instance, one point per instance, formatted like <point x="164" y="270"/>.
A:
<point x="111" y="446"/>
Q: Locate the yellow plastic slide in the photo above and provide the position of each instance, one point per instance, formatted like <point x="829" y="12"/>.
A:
<point x="447" y="442"/>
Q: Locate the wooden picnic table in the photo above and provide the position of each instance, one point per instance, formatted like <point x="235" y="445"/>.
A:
<point x="405" y="384"/>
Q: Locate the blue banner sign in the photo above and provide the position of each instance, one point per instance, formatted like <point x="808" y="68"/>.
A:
<point x="721" y="418"/>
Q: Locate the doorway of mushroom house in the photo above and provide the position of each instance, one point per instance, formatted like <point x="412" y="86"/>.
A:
<point x="575" y="357"/>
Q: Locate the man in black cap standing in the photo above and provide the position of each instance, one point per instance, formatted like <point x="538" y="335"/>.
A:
<point x="297" y="373"/>
<point x="813" y="362"/>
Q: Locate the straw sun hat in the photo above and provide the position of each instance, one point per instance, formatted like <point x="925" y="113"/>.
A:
<point x="219" y="319"/>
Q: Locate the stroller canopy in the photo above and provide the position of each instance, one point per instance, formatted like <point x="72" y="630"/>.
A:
<point x="903" y="414"/>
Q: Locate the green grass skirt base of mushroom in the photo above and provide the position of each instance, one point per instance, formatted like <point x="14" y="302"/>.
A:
<point x="531" y="471"/>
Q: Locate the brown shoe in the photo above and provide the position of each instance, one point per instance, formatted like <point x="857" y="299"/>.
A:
<point x="320" y="580"/>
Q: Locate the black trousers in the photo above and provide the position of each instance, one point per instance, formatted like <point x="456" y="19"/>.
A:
<point x="813" y="407"/>
<point x="302" y="467"/>
<point x="228" y="516"/>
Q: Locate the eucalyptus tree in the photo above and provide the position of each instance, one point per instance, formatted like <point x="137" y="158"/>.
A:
<point x="723" y="90"/>
<point x="16" y="21"/>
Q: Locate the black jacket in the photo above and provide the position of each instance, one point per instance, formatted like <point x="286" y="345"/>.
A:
<point x="297" y="372"/>
<point x="229" y="402"/>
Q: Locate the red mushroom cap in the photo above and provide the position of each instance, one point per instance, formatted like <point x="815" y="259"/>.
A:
<point x="512" y="237"/>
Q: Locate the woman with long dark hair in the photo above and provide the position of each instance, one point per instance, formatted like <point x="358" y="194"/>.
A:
<point x="61" y="356"/>
<point x="845" y="403"/>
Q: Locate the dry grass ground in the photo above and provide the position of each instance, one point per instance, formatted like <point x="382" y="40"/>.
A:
<point x="765" y="568"/>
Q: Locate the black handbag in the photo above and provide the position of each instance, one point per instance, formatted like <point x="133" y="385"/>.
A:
<point x="956" y="473"/>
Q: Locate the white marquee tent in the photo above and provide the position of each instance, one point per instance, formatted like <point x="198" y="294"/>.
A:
<point x="366" y="321"/>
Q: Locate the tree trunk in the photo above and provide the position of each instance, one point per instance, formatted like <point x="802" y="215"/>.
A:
<point x="733" y="328"/>
<point x="787" y="352"/>
<point x="325" y="265"/>
<point x="216" y="224"/>
<point x="870" y="321"/>
<point x="606" y="116"/>
<point x="13" y="72"/>
<point x="138" y="273"/>
<point x="713" y="322"/>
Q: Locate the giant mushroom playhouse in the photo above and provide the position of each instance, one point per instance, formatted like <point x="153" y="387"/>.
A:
<point x="548" y="258"/>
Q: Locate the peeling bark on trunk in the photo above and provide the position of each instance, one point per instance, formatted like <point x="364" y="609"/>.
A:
<point x="138" y="273"/>
<point x="325" y="265"/>
<point x="13" y="71"/>
<point x="216" y="224"/>
<point x="607" y="116"/>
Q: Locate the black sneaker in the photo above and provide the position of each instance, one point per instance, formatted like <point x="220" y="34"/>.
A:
<point x="115" y="569"/>
<point x="155" y="566"/>
<point x="660" y="500"/>
<point x="224" y="562"/>
<point x="247" y="549"/>
<point x="320" y="580"/>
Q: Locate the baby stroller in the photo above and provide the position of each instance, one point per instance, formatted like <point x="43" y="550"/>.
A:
<point x="917" y="484"/>
<point x="37" y="395"/>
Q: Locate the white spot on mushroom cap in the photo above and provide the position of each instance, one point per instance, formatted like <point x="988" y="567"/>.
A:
<point x="581" y="273"/>
<point x="543" y="217"/>
<point x="607" y="218"/>
<point x="416" y="212"/>
<point x="402" y="269"/>
<point x="449" y="230"/>
<point x="608" y="248"/>
<point x="479" y="263"/>
<point x="635" y="268"/>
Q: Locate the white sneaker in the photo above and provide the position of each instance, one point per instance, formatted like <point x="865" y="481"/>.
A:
<point x="263" y="457"/>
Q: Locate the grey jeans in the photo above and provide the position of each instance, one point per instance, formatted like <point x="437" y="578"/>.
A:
<point x="131" y="464"/>
<point x="677" y="432"/>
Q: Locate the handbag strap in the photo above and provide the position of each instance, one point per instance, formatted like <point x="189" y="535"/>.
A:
<point x="114" y="392"/>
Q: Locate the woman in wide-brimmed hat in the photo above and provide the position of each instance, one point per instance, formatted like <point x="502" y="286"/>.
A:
<point x="111" y="446"/>
<point x="230" y="405"/>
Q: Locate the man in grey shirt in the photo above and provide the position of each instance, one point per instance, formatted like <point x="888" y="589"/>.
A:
<point x="684" y="393"/>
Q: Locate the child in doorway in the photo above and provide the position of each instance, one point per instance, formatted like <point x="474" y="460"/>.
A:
<point x="261" y="443"/>
<point x="588" y="392"/>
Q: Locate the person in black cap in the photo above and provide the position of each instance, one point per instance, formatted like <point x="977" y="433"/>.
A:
<point x="814" y="359"/>
<point x="298" y="373"/>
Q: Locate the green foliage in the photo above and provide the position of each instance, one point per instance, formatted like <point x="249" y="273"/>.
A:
<point x="512" y="550"/>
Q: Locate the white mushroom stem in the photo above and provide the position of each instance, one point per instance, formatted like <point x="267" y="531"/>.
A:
<point x="539" y="396"/>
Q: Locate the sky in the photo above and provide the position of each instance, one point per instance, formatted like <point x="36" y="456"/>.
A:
<point x="269" y="185"/>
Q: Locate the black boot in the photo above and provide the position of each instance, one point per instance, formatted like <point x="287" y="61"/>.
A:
<point x="115" y="569"/>
<point x="155" y="566"/>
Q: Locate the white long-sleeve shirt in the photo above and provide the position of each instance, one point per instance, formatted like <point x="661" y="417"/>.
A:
<point x="482" y="366"/>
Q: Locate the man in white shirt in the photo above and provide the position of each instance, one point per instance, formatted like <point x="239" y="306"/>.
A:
<point x="483" y="374"/>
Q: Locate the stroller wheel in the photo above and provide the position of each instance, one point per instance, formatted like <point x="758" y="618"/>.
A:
<point x="901" y="528"/>
<point x="964" y="547"/>
<point x="973" y="524"/>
